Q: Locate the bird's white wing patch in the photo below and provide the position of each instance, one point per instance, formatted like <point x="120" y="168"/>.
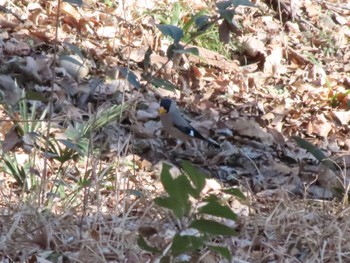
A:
<point x="191" y="133"/>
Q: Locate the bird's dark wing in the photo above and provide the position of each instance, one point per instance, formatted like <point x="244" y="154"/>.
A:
<point x="190" y="131"/>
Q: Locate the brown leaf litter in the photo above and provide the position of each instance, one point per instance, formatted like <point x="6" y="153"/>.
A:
<point x="287" y="77"/>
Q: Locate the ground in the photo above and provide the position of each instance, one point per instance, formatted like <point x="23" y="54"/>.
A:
<point x="83" y="147"/>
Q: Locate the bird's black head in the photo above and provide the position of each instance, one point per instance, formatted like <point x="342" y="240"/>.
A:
<point x="165" y="104"/>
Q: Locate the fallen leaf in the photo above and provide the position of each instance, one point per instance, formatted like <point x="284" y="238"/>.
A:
<point x="107" y="31"/>
<point x="319" y="125"/>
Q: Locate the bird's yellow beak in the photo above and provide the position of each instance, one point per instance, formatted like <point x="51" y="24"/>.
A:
<point x="162" y="111"/>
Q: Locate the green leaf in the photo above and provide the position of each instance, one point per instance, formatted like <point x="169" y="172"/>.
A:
<point x="105" y="117"/>
<point x="316" y="152"/>
<point x="174" y="32"/>
<point x="196" y="177"/>
<point x="211" y="198"/>
<point x="171" y="50"/>
<point x="160" y="17"/>
<point x="227" y="15"/>
<point x="223" y="251"/>
<point x="235" y="192"/>
<point x="33" y="95"/>
<point x="181" y="197"/>
<point x="212" y="227"/>
<point x="175" y="187"/>
<point x="167" y="180"/>
<point x="165" y="259"/>
<point x="200" y="17"/>
<point x="201" y="20"/>
<point x="223" y="5"/>
<point x="141" y="242"/>
<point x="216" y="209"/>
<point x="335" y="99"/>
<point x="163" y="83"/>
<point x="130" y="77"/>
<point x="179" y="209"/>
<point x="236" y="3"/>
<point x="191" y="50"/>
<point x="69" y="144"/>
<point x="176" y="11"/>
<point x="178" y="191"/>
<point x="74" y="2"/>
<point x="12" y="167"/>
<point x="185" y="244"/>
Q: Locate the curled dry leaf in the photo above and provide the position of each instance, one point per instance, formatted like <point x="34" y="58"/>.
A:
<point x="32" y="69"/>
<point x="319" y="125"/>
<point x="227" y="150"/>
<point x="328" y="179"/>
<point x="10" y="141"/>
<point x="282" y="175"/>
<point x="150" y="113"/>
<point x="11" y="93"/>
<point x="142" y="115"/>
<point x="147" y="130"/>
<point x="343" y="117"/>
<point x="43" y="64"/>
<point x="134" y="54"/>
<point x="318" y="192"/>
<point x="147" y="231"/>
<point x="75" y="66"/>
<point x="250" y="128"/>
<point x="253" y="46"/>
<point x="69" y="10"/>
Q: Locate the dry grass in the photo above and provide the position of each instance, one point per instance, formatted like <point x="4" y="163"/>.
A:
<point x="282" y="230"/>
<point x="295" y="231"/>
<point x="92" y="209"/>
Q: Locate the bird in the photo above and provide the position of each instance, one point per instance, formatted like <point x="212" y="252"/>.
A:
<point x="177" y="125"/>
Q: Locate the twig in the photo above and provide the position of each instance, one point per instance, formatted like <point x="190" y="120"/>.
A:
<point x="333" y="4"/>
<point x="50" y="111"/>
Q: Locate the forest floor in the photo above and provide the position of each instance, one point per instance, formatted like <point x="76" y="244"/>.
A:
<point x="83" y="147"/>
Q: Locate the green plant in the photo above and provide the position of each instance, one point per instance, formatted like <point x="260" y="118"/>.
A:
<point x="195" y="27"/>
<point x="17" y="171"/>
<point x="169" y="16"/>
<point x="316" y="152"/>
<point x="26" y="126"/>
<point x="185" y="200"/>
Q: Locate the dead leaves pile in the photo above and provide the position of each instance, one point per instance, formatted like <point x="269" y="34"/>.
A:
<point x="290" y="77"/>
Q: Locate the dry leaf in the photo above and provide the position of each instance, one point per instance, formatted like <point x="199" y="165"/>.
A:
<point x="273" y="64"/>
<point x="11" y="92"/>
<point x="343" y="117"/>
<point x="75" y="66"/>
<point x="107" y="31"/>
<point x="69" y="10"/>
<point x="11" y="140"/>
<point x="252" y="129"/>
<point x="253" y="46"/>
<point x="319" y="125"/>
<point x="147" y="231"/>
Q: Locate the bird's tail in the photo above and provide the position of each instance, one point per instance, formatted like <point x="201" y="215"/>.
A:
<point x="212" y="142"/>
